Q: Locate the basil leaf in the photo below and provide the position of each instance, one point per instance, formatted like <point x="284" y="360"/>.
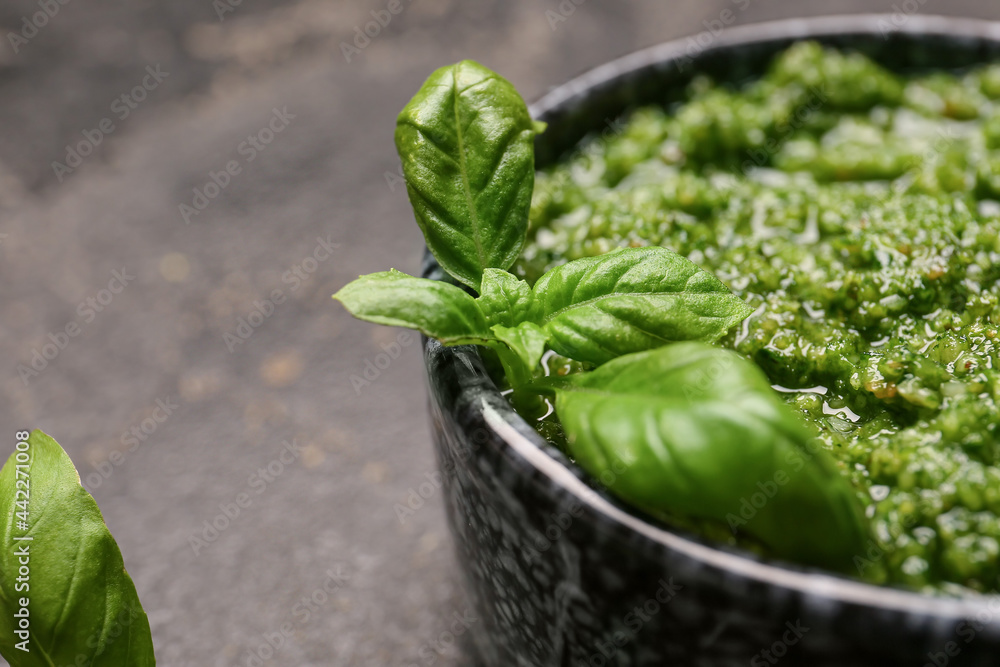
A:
<point x="82" y="605"/>
<point x="503" y="298"/>
<point x="432" y="307"/>
<point x="697" y="431"/>
<point x="629" y="300"/>
<point x="527" y="340"/>
<point x="466" y="142"/>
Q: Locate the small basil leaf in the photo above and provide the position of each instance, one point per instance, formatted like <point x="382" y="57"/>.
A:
<point x="82" y="604"/>
<point x="434" y="308"/>
<point x="630" y="300"/>
<point x="503" y="298"/>
<point x="696" y="431"/>
<point x="466" y="142"/>
<point x="527" y="340"/>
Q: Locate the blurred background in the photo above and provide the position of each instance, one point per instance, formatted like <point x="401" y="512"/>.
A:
<point x="183" y="185"/>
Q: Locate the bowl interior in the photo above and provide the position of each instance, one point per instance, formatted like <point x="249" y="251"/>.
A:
<point x="660" y="74"/>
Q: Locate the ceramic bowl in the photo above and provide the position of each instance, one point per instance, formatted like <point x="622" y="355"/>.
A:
<point x="559" y="573"/>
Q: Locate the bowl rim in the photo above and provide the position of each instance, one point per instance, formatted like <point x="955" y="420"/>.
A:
<point x="749" y="33"/>
<point x="521" y="438"/>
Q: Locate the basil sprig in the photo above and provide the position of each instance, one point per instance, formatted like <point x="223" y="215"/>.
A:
<point x="593" y="309"/>
<point x="82" y="607"/>
<point x="466" y="141"/>
<point x="698" y="430"/>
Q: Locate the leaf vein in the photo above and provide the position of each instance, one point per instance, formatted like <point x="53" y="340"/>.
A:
<point x="430" y="140"/>
<point x="464" y="172"/>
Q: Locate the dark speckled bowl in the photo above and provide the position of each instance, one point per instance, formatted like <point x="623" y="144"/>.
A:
<point x="561" y="574"/>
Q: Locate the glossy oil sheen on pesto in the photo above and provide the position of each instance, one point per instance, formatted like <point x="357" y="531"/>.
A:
<point x="858" y="212"/>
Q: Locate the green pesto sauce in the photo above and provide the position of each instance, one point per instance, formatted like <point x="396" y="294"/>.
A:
<point x="858" y="211"/>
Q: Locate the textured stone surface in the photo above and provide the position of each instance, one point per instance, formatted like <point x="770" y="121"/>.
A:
<point x="162" y="337"/>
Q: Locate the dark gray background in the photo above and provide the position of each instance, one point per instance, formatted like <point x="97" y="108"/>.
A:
<point x="162" y="336"/>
